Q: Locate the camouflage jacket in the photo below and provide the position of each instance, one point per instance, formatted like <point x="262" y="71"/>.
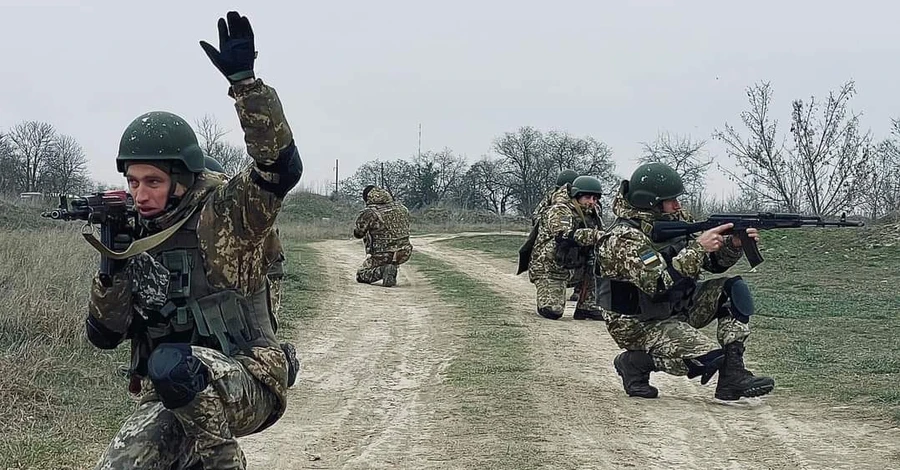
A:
<point x="384" y="223"/>
<point x="564" y="219"/>
<point x="236" y="218"/>
<point x="625" y="253"/>
<point x="542" y="206"/>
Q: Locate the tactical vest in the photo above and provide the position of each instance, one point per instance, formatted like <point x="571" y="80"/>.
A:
<point x="570" y="255"/>
<point x="627" y="299"/>
<point x="196" y="313"/>
<point x="394" y="231"/>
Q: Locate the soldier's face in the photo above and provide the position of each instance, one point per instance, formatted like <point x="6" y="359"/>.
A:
<point x="588" y="200"/>
<point x="149" y="186"/>
<point x="671" y="206"/>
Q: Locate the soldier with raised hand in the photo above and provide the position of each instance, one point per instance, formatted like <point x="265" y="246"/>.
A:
<point x="193" y="299"/>
<point x="656" y="302"/>
<point x="384" y="226"/>
<point x="563" y="250"/>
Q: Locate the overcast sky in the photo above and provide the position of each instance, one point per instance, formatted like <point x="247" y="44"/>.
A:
<point x="357" y="78"/>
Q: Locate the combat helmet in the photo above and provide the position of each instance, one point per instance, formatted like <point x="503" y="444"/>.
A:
<point x="162" y="138"/>
<point x="652" y="183"/>
<point x="586" y="185"/>
<point x="213" y="165"/>
<point x="565" y="177"/>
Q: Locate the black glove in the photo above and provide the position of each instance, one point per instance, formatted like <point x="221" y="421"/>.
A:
<point x="237" y="53"/>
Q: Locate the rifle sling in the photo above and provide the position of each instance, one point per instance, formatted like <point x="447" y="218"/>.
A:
<point x="138" y="246"/>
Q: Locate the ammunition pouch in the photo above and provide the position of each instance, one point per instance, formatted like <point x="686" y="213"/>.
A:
<point x="569" y="254"/>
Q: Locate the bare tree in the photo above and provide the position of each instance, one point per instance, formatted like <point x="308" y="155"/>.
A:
<point x="212" y="141"/>
<point x="686" y="157"/>
<point x="32" y="144"/>
<point x="525" y="166"/>
<point x="7" y="166"/>
<point x="765" y="166"/>
<point x="831" y="152"/>
<point x="65" y="169"/>
<point x="394" y="176"/>
<point x="882" y="185"/>
<point x="487" y="186"/>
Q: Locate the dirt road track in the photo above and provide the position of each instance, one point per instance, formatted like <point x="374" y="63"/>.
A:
<point x="371" y="383"/>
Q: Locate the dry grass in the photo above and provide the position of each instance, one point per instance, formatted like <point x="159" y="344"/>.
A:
<point x="59" y="396"/>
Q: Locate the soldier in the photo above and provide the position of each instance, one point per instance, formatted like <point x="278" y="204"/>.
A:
<point x="274" y="253"/>
<point x="564" y="178"/>
<point x="563" y="250"/>
<point x="384" y="225"/>
<point x="656" y="303"/>
<point x="191" y="294"/>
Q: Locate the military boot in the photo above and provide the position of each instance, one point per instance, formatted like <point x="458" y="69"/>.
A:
<point x="390" y="275"/>
<point x="635" y="367"/>
<point x="574" y="297"/>
<point x="549" y="313"/>
<point x="290" y="352"/>
<point x="587" y="314"/>
<point x="735" y="381"/>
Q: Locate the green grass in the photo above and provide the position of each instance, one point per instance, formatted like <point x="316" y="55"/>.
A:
<point x="492" y="371"/>
<point x="302" y="283"/>
<point x="828" y="312"/>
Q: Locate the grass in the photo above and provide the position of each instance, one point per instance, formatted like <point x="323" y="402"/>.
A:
<point x="828" y="310"/>
<point x="491" y="373"/>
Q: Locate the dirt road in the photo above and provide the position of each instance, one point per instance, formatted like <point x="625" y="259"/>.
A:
<point x="372" y="392"/>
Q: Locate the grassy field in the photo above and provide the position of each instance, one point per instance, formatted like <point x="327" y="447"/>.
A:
<point x="61" y="399"/>
<point x="491" y="371"/>
<point x="828" y="310"/>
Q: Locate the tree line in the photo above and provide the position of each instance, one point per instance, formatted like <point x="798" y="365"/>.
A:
<point x="823" y="163"/>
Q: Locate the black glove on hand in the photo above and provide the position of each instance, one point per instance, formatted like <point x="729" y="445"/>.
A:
<point x="236" y="49"/>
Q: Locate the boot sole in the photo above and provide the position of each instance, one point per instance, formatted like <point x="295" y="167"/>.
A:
<point x="749" y="393"/>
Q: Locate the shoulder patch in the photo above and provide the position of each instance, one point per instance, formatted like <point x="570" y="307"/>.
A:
<point x="650" y="258"/>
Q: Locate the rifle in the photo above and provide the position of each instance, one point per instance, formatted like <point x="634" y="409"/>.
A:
<point x="667" y="230"/>
<point x="112" y="210"/>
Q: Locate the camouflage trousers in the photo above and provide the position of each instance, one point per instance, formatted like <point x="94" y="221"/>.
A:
<point x="674" y="339"/>
<point x="550" y="282"/>
<point x="275" y="288"/>
<point x="234" y="404"/>
<point x="372" y="269"/>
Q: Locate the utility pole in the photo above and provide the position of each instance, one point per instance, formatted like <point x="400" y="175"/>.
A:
<point x="382" y="174"/>
<point x="419" y="153"/>
<point x="335" y="177"/>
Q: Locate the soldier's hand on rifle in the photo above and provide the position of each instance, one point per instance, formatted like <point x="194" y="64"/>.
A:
<point x="751" y="232"/>
<point x="712" y="240"/>
<point x="236" y="52"/>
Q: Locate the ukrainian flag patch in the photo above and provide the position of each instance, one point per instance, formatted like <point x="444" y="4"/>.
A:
<point x="650" y="258"/>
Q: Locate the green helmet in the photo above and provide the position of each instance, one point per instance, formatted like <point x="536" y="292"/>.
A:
<point x="213" y="165"/>
<point x="653" y="183"/>
<point x="565" y="177"/>
<point x="586" y="185"/>
<point x="159" y="136"/>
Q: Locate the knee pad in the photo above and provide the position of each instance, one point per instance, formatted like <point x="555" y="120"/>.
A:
<point x="739" y="297"/>
<point x="176" y="374"/>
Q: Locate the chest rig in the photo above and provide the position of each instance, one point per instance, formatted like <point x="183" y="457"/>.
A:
<point x="627" y="299"/>
<point x="195" y="312"/>
<point x="570" y="255"/>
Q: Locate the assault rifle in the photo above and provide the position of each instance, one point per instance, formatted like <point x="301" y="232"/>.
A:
<point x="113" y="211"/>
<point x="667" y="230"/>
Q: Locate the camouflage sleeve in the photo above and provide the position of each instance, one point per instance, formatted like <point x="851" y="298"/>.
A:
<point x="111" y="306"/>
<point x="627" y="255"/>
<point x="363" y="223"/>
<point x="587" y="236"/>
<point x="249" y="202"/>
<point x="558" y="220"/>
<point x="726" y="257"/>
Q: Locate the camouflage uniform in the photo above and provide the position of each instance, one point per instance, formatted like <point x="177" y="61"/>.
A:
<point x="227" y="226"/>
<point x="664" y="313"/>
<point x="542" y="206"/>
<point x="384" y="225"/>
<point x="275" y="259"/>
<point x="563" y="217"/>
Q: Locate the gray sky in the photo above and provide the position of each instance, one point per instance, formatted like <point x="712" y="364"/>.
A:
<point x="357" y="78"/>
